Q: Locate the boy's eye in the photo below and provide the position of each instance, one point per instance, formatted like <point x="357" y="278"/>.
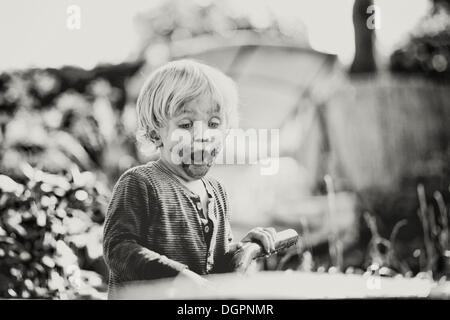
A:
<point x="185" y="125"/>
<point x="214" y="124"/>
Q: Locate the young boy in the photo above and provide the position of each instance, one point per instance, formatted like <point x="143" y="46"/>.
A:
<point x="167" y="218"/>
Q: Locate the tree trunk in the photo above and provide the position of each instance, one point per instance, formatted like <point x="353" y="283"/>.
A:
<point x="364" y="60"/>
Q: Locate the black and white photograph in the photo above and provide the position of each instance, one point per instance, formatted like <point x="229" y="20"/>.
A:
<point x="224" y="155"/>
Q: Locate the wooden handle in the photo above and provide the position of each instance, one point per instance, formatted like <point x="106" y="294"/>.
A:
<point x="252" y="250"/>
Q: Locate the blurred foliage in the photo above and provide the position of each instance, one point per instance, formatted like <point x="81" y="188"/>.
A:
<point x="49" y="226"/>
<point x="391" y="243"/>
<point x="65" y="136"/>
<point x="53" y="118"/>
<point x="406" y="244"/>
<point x="178" y="20"/>
<point x="428" y="50"/>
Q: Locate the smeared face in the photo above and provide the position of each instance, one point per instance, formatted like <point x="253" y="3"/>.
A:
<point x="193" y="138"/>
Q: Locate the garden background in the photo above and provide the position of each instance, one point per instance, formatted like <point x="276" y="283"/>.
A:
<point x="364" y="145"/>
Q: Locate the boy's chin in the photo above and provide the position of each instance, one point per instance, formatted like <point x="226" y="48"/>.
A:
<point x="196" y="171"/>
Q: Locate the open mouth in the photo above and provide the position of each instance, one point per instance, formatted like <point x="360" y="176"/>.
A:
<point x="198" y="157"/>
<point x="196" y="163"/>
<point x="202" y="157"/>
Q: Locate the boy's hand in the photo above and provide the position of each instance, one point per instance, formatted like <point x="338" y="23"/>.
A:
<point x="264" y="236"/>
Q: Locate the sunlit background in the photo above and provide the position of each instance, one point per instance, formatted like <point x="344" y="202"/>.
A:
<point x="36" y="34"/>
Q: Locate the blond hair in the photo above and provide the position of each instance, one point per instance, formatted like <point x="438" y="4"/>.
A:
<point x="172" y="85"/>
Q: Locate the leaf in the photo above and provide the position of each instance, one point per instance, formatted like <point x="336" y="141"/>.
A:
<point x="9" y="185"/>
<point x="64" y="255"/>
<point x="48" y="261"/>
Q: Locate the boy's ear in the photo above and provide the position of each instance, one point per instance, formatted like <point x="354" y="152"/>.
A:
<point x="155" y="138"/>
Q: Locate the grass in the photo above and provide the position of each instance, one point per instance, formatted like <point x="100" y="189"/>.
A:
<point x="382" y="254"/>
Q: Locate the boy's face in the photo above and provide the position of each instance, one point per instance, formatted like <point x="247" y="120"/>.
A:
<point x="193" y="138"/>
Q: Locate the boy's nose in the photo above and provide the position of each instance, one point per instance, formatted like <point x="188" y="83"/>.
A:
<point x="203" y="138"/>
<point x="201" y="132"/>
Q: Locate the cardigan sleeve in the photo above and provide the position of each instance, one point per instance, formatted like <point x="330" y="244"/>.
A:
<point x="126" y="223"/>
